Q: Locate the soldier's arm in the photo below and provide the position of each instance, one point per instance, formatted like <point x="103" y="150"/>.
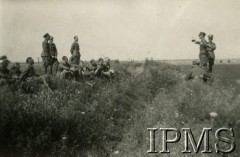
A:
<point x="72" y="47"/>
<point x="64" y="67"/>
<point x="45" y="46"/>
<point x="24" y="74"/>
<point x="214" y="46"/>
<point x="197" y="42"/>
<point x="189" y="75"/>
<point x="55" y="49"/>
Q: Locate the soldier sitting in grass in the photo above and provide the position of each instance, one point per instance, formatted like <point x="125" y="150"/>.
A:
<point x="197" y="72"/>
<point x="109" y="72"/>
<point x="65" y="70"/>
<point x="103" y="69"/>
<point x="89" y="70"/>
<point x="29" y="78"/>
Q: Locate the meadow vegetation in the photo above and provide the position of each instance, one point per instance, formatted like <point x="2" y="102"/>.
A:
<point x="112" y="118"/>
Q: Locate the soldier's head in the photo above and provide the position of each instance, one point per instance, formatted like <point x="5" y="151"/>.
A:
<point x="201" y="35"/>
<point x="46" y="36"/>
<point x="107" y="60"/>
<point x="50" y="39"/>
<point x="92" y="61"/>
<point x="4" y="61"/>
<point x="65" y="59"/>
<point x="75" y="38"/>
<point x="210" y="37"/>
<point x="100" y="61"/>
<point x="30" y="61"/>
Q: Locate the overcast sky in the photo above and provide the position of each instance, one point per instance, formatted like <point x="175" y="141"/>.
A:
<point x="119" y="29"/>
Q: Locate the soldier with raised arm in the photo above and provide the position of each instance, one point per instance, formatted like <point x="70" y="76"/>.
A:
<point x="203" y="56"/>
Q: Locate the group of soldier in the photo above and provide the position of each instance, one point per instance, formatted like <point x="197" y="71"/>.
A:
<point x="204" y="67"/>
<point x="72" y="69"/>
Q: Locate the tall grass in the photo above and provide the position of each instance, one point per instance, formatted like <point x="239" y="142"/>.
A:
<point x="77" y="119"/>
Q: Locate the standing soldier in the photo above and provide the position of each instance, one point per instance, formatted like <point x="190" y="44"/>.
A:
<point x="54" y="53"/>
<point x="46" y="56"/>
<point x="210" y="49"/>
<point x="75" y="51"/>
<point x="203" y="49"/>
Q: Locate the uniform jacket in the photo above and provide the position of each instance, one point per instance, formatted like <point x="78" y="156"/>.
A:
<point x="15" y="72"/>
<point x="75" y="49"/>
<point x="46" y="48"/>
<point x="210" y="49"/>
<point x="203" y="47"/>
<point x="63" y="66"/>
<point x="53" y="49"/>
<point x="4" y="73"/>
<point x="28" y="72"/>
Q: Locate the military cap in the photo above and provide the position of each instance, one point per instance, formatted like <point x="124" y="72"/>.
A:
<point x="75" y="37"/>
<point x="4" y="59"/>
<point x="210" y="36"/>
<point x="46" y="35"/>
<point x="202" y="33"/>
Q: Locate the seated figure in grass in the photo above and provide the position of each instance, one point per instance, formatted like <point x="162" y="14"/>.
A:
<point x="109" y="72"/>
<point x="89" y="70"/>
<point x="29" y="78"/>
<point x="197" y="72"/>
<point x="66" y="71"/>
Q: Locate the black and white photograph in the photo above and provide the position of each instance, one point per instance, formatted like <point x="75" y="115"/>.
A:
<point x="119" y="78"/>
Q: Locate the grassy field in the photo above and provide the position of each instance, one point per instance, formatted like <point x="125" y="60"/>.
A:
<point x="112" y="118"/>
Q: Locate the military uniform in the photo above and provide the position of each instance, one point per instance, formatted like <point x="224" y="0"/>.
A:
<point x="64" y="71"/>
<point x="210" y="49"/>
<point x="75" y="51"/>
<point x="4" y="76"/>
<point x="203" y="56"/>
<point x="54" y="53"/>
<point x="28" y="74"/>
<point x="46" y="56"/>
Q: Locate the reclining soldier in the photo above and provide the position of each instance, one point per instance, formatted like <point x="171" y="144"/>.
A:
<point x="198" y="73"/>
